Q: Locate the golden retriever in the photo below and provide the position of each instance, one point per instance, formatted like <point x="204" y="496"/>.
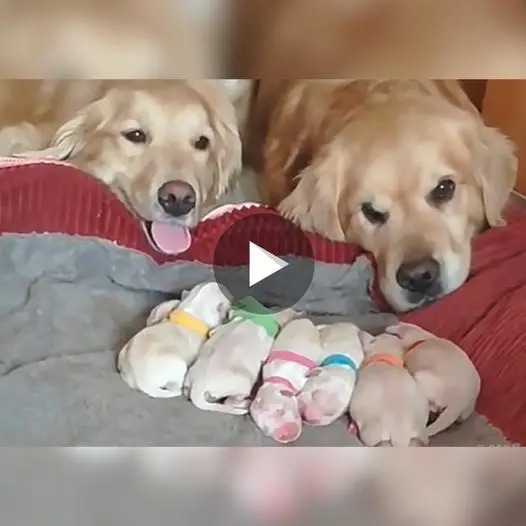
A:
<point x="406" y="169"/>
<point x="167" y="148"/>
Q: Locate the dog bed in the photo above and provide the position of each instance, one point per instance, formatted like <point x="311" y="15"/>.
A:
<point x="79" y="275"/>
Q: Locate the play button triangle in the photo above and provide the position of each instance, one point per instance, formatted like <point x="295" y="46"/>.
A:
<point x="262" y="264"/>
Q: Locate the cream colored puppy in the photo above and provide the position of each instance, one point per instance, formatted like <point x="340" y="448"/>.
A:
<point x="446" y="375"/>
<point x="387" y="405"/>
<point x="223" y="377"/>
<point x="156" y="359"/>
<point x="295" y="352"/>
<point x="328" y="390"/>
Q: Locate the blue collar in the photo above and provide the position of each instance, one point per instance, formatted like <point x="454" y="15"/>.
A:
<point x="339" y="360"/>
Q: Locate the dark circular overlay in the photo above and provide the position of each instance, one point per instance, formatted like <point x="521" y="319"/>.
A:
<point x="279" y="237"/>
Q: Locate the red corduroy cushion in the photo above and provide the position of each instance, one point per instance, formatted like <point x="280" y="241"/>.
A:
<point x="486" y="316"/>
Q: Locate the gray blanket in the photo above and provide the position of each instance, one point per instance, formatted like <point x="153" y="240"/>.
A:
<point x="68" y="305"/>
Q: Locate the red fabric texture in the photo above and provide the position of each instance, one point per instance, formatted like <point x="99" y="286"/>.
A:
<point x="485" y="316"/>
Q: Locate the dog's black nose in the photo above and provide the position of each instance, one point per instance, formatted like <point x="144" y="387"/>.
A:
<point x="177" y="198"/>
<point x="418" y="276"/>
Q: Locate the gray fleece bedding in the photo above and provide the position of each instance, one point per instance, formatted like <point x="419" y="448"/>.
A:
<point x="69" y="304"/>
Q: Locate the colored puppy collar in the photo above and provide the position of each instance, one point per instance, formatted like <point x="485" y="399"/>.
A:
<point x="387" y="359"/>
<point x="183" y="319"/>
<point x="340" y="360"/>
<point x="266" y="321"/>
<point x="289" y="356"/>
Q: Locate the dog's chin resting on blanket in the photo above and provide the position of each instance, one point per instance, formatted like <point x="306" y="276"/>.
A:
<point x="155" y="360"/>
<point x="229" y="363"/>
<point x="326" y="395"/>
<point x="295" y="352"/>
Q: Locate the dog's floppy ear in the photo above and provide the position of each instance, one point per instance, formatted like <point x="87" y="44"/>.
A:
<point x="496" y="172"/>
<point x="69" y="139"/>
<point x="227" y="150"/>
<point x="313" y="204"/>
<point x="74" y="135"/>
<point x="161" y="312"/>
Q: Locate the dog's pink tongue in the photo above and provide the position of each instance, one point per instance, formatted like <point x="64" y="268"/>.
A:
<point x="171" y="239"/>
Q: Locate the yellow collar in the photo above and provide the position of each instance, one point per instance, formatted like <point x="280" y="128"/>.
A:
<point x="189" y="322"/>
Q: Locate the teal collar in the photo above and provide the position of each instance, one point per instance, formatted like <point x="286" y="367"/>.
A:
<point x="339" y="360"/>
<point x="250" y="309"/>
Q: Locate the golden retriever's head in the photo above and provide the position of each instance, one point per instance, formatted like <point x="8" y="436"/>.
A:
<point x="168" y="149"/>
<point x="411" y="181"/>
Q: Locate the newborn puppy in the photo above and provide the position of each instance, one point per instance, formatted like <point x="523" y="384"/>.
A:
<point x="328" y="390"/>
<point x="295" y="352"/>
<point x="223" y="377"/>
<point x="387" y="405"/>
<point x="446" y="375"/>
<point x="156" y="359"/>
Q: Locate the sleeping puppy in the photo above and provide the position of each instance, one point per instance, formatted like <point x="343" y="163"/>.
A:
<point x="223" y="377"/>
<point x="326" y="395"/>
<point x="387" y="406"/>
<point x="169" y="149"/>
<point x="404" y="168"/>
<point x="446" y="375"/>
<point x="156" y="359"/>
<point x="295" y="353"/>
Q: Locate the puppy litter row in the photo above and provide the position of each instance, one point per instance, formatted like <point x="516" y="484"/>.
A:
<point x="216" y="353"/>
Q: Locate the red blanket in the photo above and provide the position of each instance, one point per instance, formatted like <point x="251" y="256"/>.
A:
<point x="484" y="317"/>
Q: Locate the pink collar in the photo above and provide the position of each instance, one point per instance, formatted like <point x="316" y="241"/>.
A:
<point x="289" y="356"/>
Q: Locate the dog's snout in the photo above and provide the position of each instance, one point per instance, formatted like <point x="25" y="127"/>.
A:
<point x="418" y="276"/>
<point x="177" y="198"/>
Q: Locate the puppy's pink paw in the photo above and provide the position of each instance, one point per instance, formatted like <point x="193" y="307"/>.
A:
<point x="311" y="414"/>
<point x="287" y="432"/>
<point x="353" y="429"/>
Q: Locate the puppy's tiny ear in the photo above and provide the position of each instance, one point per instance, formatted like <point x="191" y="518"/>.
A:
<point x="184" y="294"/>
<point x="365" y="338"/>
<point x="313" y="204"/>
<point x="224" y="310"/>
<point x="161" y="312"/>
<point x="496" y="173"/>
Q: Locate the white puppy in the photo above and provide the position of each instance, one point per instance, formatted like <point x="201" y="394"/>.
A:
<point x="387" y="405"/>
<point x="156" y="359"/>
<point x="223" y="377"/>
<point x="295" y="352"/>
<point x="328" y="390"/>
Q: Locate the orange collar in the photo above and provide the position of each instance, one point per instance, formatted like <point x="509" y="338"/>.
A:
<point x="387" y="359"/>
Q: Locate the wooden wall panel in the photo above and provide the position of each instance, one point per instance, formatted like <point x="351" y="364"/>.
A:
<point x="505" y="108"/>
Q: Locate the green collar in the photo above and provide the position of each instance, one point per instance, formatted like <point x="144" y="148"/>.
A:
<point x="250" y="309"/>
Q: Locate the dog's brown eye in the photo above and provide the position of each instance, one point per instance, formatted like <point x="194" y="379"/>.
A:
<point x="443" y="192"/>
<point x="136" y="136"/>
<point x="374" y="216"/>
<point x="202" y="143"/>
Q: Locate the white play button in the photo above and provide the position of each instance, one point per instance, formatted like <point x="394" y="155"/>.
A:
<point x="262" y="264"/>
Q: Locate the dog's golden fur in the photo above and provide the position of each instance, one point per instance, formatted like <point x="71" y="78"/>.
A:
<point x="83" y="122"/>
<point x="332" y="146"/>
